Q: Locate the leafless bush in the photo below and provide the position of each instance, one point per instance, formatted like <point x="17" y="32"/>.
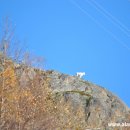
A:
<point x="20" y="108"/>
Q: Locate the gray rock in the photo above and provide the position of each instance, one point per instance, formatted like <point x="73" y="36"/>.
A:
<point x="100" y="106"/>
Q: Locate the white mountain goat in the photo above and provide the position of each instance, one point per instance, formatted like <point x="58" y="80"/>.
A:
<point x="80" y="74"/>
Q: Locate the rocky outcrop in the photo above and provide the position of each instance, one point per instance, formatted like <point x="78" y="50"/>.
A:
<point x="100" y="106"/>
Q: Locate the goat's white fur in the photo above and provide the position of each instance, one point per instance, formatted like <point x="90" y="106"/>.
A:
<point x="80" y="74"/>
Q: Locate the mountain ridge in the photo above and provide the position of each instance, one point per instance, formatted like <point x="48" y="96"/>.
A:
<point x="72" y="98"/>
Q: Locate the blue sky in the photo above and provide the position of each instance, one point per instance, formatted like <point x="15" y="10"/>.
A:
<point x="92" y="36"/>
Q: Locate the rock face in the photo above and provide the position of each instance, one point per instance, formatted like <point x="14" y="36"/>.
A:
<point x="100" y="106"/>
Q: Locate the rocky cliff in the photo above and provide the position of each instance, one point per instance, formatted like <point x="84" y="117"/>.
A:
<point x="97" y="105"/>
<point x="100" y="105"/>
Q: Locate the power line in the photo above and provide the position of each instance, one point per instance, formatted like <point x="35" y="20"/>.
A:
<point x="99" y="24"/>
<point x="109" y="16"/>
